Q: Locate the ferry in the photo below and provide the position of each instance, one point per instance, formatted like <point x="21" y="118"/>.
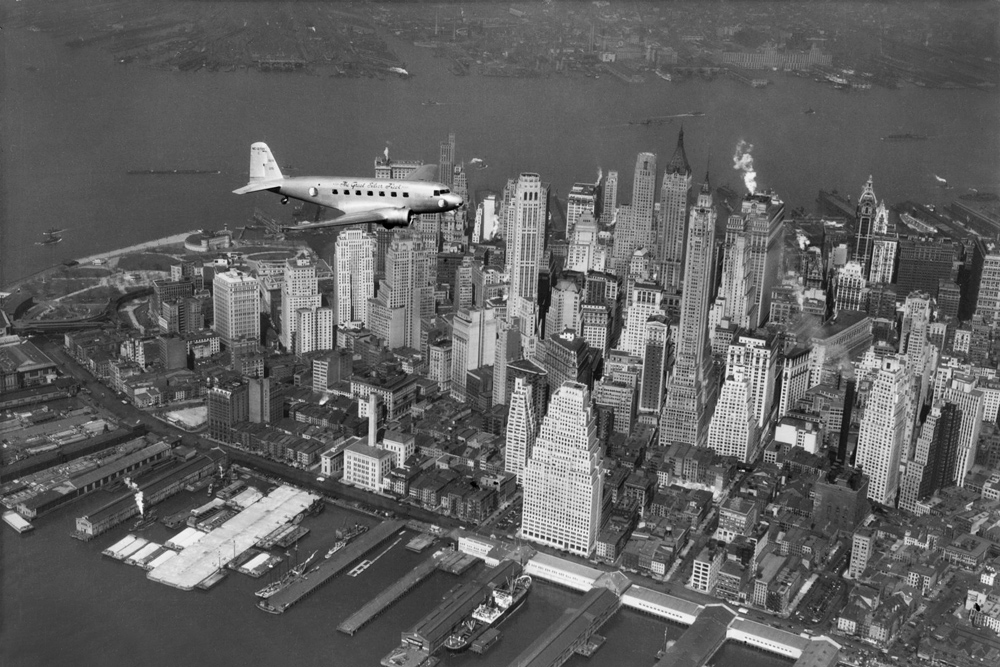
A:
<point x="502" y="602"/>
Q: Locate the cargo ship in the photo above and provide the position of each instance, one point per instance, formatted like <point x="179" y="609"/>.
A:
<point x="906" y="136"/>
<point x="345" y="538"/>
<point x="501" y="603"/>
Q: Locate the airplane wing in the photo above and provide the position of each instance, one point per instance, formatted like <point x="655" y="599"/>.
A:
<point x="425" y="172"/>
<point x="379" y="215"/>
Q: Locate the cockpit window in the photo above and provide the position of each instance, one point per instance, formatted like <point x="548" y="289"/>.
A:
<point x="437" y="192"/>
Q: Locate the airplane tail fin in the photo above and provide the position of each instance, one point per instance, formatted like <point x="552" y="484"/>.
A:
<point x="264" y="171"/>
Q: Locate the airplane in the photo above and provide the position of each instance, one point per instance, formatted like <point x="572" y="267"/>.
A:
<point x="356" y="199"/>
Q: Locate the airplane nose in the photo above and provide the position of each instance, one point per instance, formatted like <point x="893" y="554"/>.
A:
<point x="453" y="199"/>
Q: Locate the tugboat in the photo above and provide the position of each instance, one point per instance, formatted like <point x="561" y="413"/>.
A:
<point x="145" y="521"/>
<point x="502" y="602"/>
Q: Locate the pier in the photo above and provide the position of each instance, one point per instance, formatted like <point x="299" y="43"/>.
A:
<point x="572" y="632"/>
<point x="387" y="597"/>
<point x="328" y="569"/>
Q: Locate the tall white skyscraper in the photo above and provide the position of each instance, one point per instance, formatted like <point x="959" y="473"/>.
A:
<point x="354" y="270"/>
<point x="988" y="300"/>
<point x="236" y="302"/>
<point x="645" y="300"/>
<point x="883" y="427"/>
<point x="690" y="393"/>
<point x="563" y="479"/>
<point x="756" y="356"/>
<point x="300" y="289"/>
<point x="733" y="429"/>
<point x="525" y="245"/>
<point x="675" y="193"/>
<point x="405" y="295"/>
<point x="522" y="427"/>
<point x="473" y="344"/>
<point x="313" y="330"/>
<point x="564" y="308"/>
<point x="635" y="230"/>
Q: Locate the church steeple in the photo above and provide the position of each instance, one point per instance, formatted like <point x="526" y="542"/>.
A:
<point x="679" y="163"/>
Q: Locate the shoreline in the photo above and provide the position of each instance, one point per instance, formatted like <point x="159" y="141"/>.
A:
<point x="102" y="257"/>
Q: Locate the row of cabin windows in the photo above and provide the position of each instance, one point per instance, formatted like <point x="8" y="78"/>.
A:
<point x="381" y="193"/>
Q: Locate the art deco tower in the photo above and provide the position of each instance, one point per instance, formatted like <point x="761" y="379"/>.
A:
<point x="563" y="477"/>
<point x="690" y="396"/>
<point x="668" y="243"/>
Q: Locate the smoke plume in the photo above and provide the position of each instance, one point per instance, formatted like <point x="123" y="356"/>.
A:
<point x="386" y="153"/>
<point x="802" y="239"/>
<point x="600" y="175"/>
<point x="743" y="161"/>
<point x="139" y="497"/>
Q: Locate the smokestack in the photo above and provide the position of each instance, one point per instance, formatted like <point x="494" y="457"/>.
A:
<point x="845" y="426"/>
<point x="372" y="418"/>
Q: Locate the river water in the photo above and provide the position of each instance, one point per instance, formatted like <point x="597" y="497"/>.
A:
<point x="74" y="122"/>
<point x="63" y="603"/>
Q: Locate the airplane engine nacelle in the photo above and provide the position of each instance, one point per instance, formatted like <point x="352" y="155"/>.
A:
<point x="400" y="217"/>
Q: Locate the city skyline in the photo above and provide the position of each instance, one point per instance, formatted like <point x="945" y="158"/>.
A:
<point x="665" y="364"/>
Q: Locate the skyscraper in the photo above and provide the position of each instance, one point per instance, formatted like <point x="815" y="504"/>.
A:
<point x="752" y="259"/>
<point x="675" y="194"/>
<point x="300" y="289"/>
<point x="881" y="437"/>
<point x="564" y="308"/>
<point x="446" y="166"/>
<point x="934" y="457"/>
<point x="732" y="430"/>
<point x="563" y="480"/>
<point x="582" y="199"/>
<point x="885" y="247"/>
<point x="636" y="229"/>
<point x="525" y="245"/>
<point x="354" y="271"/>
<point x="405" y="295"/>
<point x="690" y="396"/>
<point x="313" y="330"/>
<point x="988" y="301"/>
<point x="473" y="344"/>
<point x="654" y="364"/>
<point x="962" y="391"/>
<point x="645" y="300"/>
<point x="609" y="199"/>
<point x="864" y="220"/>
<point x="236" y="302"/>
<point x="522" y="427"/>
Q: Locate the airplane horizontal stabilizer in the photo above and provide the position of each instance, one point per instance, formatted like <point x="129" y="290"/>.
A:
<point x="257" y="186"/>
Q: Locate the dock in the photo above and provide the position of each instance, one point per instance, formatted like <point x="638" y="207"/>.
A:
<point x="327" y="569"/>
<point x="387" y="597"/>
<point x="572" y="633"/>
